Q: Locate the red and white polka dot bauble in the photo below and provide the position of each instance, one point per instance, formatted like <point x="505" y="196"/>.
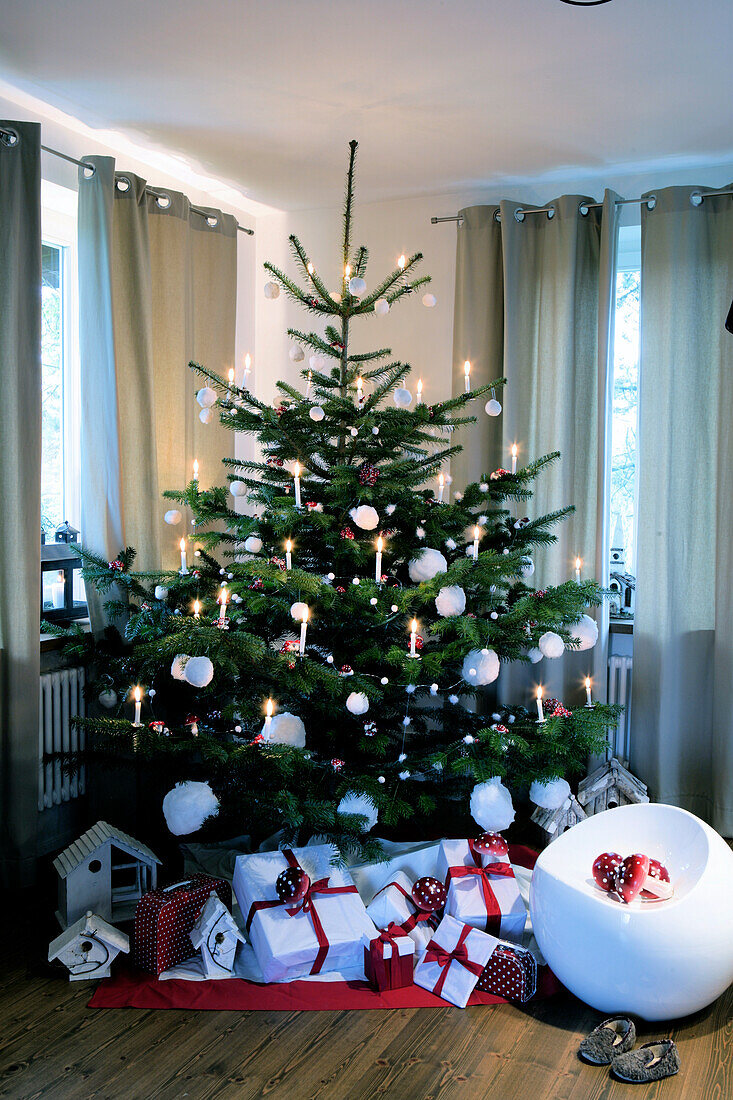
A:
<point x="292" y="884"/>
<point x="605" y="867"/>
<point x="631" y="876"/>
<point x="429" y="894"/>
<point x="492" y="843"/>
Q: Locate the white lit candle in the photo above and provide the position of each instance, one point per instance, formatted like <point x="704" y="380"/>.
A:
<point x="540" y="712"/>
<point x="296" y="475"/>
<point x="247" y="366"/>
<point x="588" y="697"/>
<point x="419" y="391"/>
<point x="303" y="628"/>
<point x="182" y="546"/>
<point x="288" y="554"/>
<point x="359" y="389"/>
<point x="378" y="564"/>
<point x="222" y="601"/>
<point x="231" y="383"/>
<point x="401" y="262"/>
<point x="308" y="387"/>
<point x="268" y="719"/>
<point x="476" y="537"/>
<point x="578" y="563"/>
<point x="58" y="590"/>
<point x="467" y="375"/>
<point x="413" y="637"/>
<point x="196" y="471"/>
<point x="515" y="451"/>
<point x="137" y="696"/>
<point x="197" y="609"/>
<point x="441" y="487"/>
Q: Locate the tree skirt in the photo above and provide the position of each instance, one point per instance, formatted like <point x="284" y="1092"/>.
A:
<point x="130" y="988"/>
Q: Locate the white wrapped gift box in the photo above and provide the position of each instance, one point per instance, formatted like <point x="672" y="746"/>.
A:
<point x="286" y="946"/>
<point x="454" y="981"/>
<point x="389" y="905"/>
<point x="466" y="899"/>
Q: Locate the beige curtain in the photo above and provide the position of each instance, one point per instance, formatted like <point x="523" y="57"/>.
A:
<point x="20" y="498"/>
<point x="157" y="285"/>
<point x="534" y="302"/>
<point x="682" y="704"/>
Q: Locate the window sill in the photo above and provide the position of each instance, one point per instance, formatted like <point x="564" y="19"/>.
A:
<point x="51" y="642"/>
<point x="621" y="626"/>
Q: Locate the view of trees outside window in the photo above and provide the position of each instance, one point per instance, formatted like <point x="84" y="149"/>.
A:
<point x="52" y="353"/>
<point x="625" y="409"/>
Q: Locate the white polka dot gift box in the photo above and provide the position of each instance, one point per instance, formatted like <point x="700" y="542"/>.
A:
<point x="164" y="919"/>
<point x="511" y="972"/>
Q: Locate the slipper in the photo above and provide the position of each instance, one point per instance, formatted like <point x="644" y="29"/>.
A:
<point x="650" y="1062"/>
<point x="612" y="1037"/>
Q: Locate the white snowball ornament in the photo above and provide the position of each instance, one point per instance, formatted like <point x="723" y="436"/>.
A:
<point x="178" y="666"/>
<point x="253" y="544"/>
<point x="480" y="666"/>
<point x="491" y="806"/>
<point x="161" y="592"/>
<point x="550" y="795"/>
<point x="206" y="416"/>
<point x="237" y="488"/>
<point x="365" y="517"/>
<point x="296" y="353"/>
<point x="429" y="300"/>
<point x="288" y="729"/>
<point x="362" y="805"/>
<point x="492" y="407"/>
<point x="357" y="703"/>
<point x="107" y="698"/>
<point x="585" y="632"/>
<point x="173" y="516"/>
<point x="526" y="569"/>
<point x="188" y="806"/>
<point x="272" y="291"/>
<point x="298" y="610"/>
<point x="206" y="397"/>
<point x="357" y="287"/>
<point x="451" y="600"/>
<point x="316" y="413"/>
<point x="551" y="644"/>
<point x="402" y="398"/>
<point x="199" y="672"/>
<point x="381" y="307"/>
<point x="535" y="655"/>
<point x="426" y="565"/>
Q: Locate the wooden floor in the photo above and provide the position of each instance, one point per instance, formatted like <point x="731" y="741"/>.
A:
<point x="53" y="1046"/>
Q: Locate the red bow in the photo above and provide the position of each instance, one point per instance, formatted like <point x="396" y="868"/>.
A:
<point x="493" y="909"/>
<point x="437" y="954"/>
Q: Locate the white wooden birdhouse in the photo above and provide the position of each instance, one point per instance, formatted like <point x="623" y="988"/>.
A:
<point x="610" y="786"/>
<point x="88" y="948"/>
<point x="105" y="871"/>
<point x="215" y="934"/>
<point x="554" y="822"/>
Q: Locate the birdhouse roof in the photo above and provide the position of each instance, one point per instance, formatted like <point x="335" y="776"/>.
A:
<point x="550" y="819"/>
<point x="89" y="925"/>
<point x="214" y="911"/>
<point x="93" y="839"/>
<point x="613" y="774"/>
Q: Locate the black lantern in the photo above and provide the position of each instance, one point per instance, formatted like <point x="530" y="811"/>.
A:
<point x="62" y="588"/>
<point x="66" y="533"/>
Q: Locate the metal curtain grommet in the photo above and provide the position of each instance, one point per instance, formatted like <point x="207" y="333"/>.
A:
<point x="519" y="214"/>
<point x="651" y="202"/>
<point x="696" y="198"/>
<point x="123" y="184"/>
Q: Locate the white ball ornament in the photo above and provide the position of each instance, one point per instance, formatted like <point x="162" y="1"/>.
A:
<point x="178" y="667"/>
<point x="381" y="307"/>
<point x="402" y="398"/>
<point x="551" y="644"/>
<point x="288" y="729"/>
<point x="237" y="488"/>
<point x="585" y="632"/>
<point x="199" y="672"/>
<point x="188" y="806"/>
<point x="206" y="397"/>
<point x="550" y="795"/>
<point x="357" y="287"/>
<point x="206" y="416"/>
<point x="161" y="592"/>
<point x="535" y="655"/>
<point x="451" y="600"/>
<point x="272" y="291"/>
<point x="107" y="698"/>
<point x="426" y="565"/>
<point x="362" y="805"/>
<point x="429" y="300"/>
<point x="298" y="610"/>
<point x="316" y="413"/>
<point x="365" y="517"/>
<point x="480" y="666"/>
<point x="493" y="407"/>
<point x="172" y="517"/>
<point x="296" y="353"/>
<point x="357" y="703"/>
<point x="526" y="569"/>
<point x="253" y="544"/>
<point x="491" y="806"/>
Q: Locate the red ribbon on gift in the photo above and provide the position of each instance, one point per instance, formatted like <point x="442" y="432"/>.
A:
<point x="493" y="909"/>
<point x="305" y="905"/>
<point x="437" y="954"/>
<point x="392" y="973"/>
<point x="418" y="916"/>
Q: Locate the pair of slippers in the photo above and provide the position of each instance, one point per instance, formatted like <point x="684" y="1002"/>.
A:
<point x="612" y="1044"/>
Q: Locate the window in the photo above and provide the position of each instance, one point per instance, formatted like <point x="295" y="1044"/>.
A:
<point x="624" y="413"/>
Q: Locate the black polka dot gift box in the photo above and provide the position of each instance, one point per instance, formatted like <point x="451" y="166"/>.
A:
<point x="164" y="919"/>
<point x="511" y="972"/>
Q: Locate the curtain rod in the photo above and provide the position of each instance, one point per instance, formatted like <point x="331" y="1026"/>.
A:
<point x="10" y="138"/>
<point x="696" y="198"/>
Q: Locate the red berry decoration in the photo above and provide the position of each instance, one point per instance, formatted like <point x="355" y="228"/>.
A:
<point x="429" y="894"/>
<point x="631" y="876"/>
<point x="368" y="474"/>
<point x="418" y="642"/>
<point x="370" y="728"/>
<point x="292" y="884"/>
<point x="340" y="588"/>
<point x="346" y="533"/>
<point x="116" y="565"/>
<point x="605" y="867"/>
<point x="493" y="843"/>
<point x="346" y="670"/>
<point x="337" y="764"/>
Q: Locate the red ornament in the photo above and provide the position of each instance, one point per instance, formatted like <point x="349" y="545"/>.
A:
<point x="370" y="728"/>
<point x="493" y="843"/>
<point x="337" y="764"/>
<point x="657" y="885"/>
<point x="347" y="533"/>
<point x="279" y="562"/>
<point x="540" y="593"/>
<point x="498" y="473"/>
<point x="156" y="725"/>
<point x="605" y="867"/>
<point x="346" y="670"/>
<point x="116" y="565"/>
<point x="340" y="588"/>
<point x="418" y="642"/>
<point x="257" y="584"/>
<point x="631" y="876"/>
<point x="272" y="460"/>
<point x="555" y="709"/>
<point x="500" y="728"/>
<point x="280" y="410"/>
<point x="368" y="474"/>
<point x="292" y="884"/>
<point x="429" y="894"/>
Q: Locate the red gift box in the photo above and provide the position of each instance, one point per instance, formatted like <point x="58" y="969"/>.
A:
<point x="511" y="972"/>
<point x="164" y="918"/>
<point x="389" y="959"/>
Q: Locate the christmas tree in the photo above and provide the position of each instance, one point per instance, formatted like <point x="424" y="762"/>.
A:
<point x="321" y="660"/>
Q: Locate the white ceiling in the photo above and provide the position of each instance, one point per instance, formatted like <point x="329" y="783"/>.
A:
<point x="443" y="96"/>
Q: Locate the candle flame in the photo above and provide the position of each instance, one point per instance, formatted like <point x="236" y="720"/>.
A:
<point x="306" y="613"/>
<point x="223" y="596"/>
<point x="231" y="374"/>
<point x="540" y="690"/>
<point x="347" y="271"/>
<point x="288" y="545"/>
<point x="247" y="362"/>
<point x="182" y="544"/>
<point x="296" y="469"/>
<point x="477" y="532"/>
<point x="413" y="626"/>
<point x="515" y="450"/>
<point x="310" y="269"/>
<point x="419" y="385"/>
<point x="578" y="563"/>
<point x="401" y="262"/>
<point x="269" y="708"/>
<point x="197" y="608"/>
<point x="587" y="682"/>
<point x="310" y="375"/>
<point x="441" y="480"/>
<point x="195" y="469"/>
<point x="467" y="367"/>
<point x="137" y="694"/>
<point x="380" y="544"/>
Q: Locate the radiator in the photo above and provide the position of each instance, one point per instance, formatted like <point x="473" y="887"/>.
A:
<point x="61" y="698"/>
<point x="619" y="691"/>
